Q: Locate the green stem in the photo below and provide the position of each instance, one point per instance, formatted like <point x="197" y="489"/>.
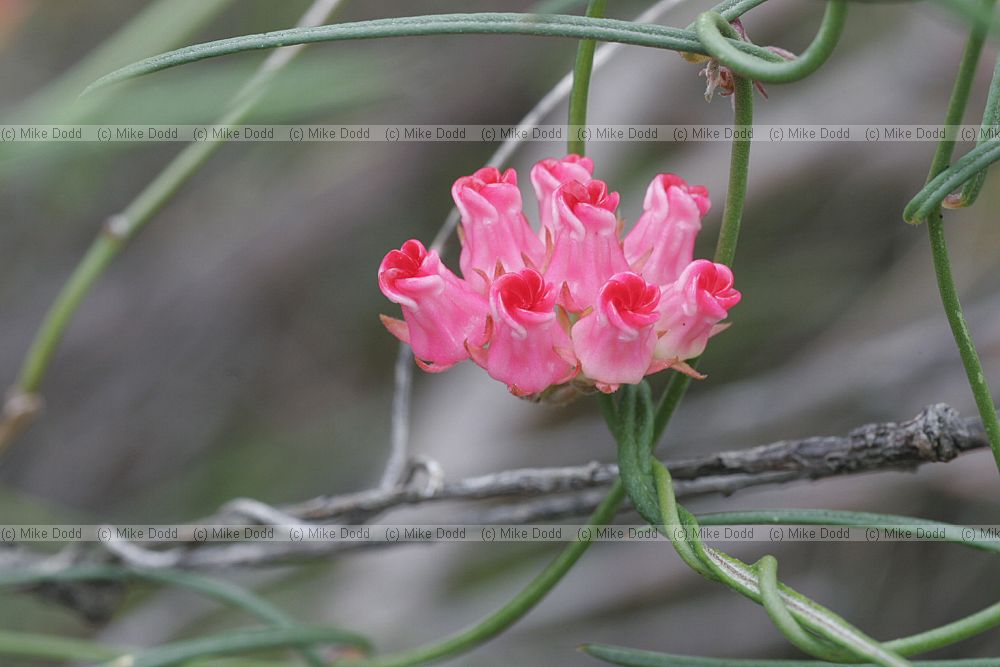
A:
<point x="975" y="623"/>
<point x="242" y="641"/>
<point x="739" y="173"/>
<point x="682" y="529"/>
<point x="948" y="634"/>
<point x="630" y="657"/>
<point x="673" y="527"/>
<point x="511" y="612"/>
<point x="745" y="580"/>
<point x="94" y="262"/>
<point x="712" y="29"/>
<point x="536" y="25"/>
<point x="524" y="601"/>
<point x="777" y="611"/>
<point x="733" y="9"/>
<point x="729" y="232"/>
<point x="799" y="517"/>
<point x="217" y="589"/>
<point x="939" y="248"/>
<point x="968" y="169"/>
<point x="547" y="579"/>
<point x="581" y="82"/>
<point x="991" y="118"/>
<point x="47" y="647"/>
<point x="158" y="25"/>
<point x="233" y="595"/>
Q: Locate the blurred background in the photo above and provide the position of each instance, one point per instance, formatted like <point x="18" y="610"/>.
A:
<point x="235" y="350"/>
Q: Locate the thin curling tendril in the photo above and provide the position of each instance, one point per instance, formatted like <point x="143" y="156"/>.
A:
<point x="991" y="118"/>
<point x="932" y="195"/>
<point x="714" y="32"/>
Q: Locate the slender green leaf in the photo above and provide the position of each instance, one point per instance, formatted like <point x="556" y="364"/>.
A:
<point x="961" y="535"/>
<point x="159" y="25"/>
<point x="539" y="25"/>
<point x="245" y="641"/>
<point x="50" y="648"/>
<point x="630" y="657"/>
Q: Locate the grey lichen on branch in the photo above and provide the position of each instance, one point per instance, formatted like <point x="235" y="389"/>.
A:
<point x="937" y="434"/>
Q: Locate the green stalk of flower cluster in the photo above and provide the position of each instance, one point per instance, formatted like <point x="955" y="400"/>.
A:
<point x="729" y="232"/>
<point x="551" y="575"/>
<point x="939" y="246"/>
<point x="540" y="585"/>
<point x="538" y="588"/>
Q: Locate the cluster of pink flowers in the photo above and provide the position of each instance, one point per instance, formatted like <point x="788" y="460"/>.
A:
<point x="573" y="302"/>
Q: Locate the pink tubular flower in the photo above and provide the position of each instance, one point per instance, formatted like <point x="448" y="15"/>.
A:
<point x="615" y="343"/>
<point x="494" y="230"/>
<point x="440" y="311"/>
<point x="691" y="309"/>
<point x="574" y="308"/>
<point x="587" y="250"/>
<point x="662" y="242"/>
<point x="548" y="175"/>
<point x="529" y="350"/>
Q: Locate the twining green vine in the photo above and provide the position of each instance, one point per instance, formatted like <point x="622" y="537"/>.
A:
<point x="630" y="657"/>
<point x="648" y="485"/>
<point x="682" y="529"/>
<point x="650" y="489"/>
<point x="968" y="170"/>
<point x="939" y="245"/>
<point x="713" y="30"/>
<point x="729" y="232"/>
<point x="960" y="535"/>
<point x="635" y="419"/>
<point x="211" y="587"/>
<point x="989" y="128"/>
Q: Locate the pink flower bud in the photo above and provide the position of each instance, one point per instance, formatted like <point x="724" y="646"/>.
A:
<point x="549" y="174"/>
<point x="662" y="242"/>
<point x="529" y="350"/>
<point x="691" y="308"/>
<point x="615" y="342"/>
<point x="440" y="310"/>
<point x="494" y="230"/>
<point x="587" y="251"/>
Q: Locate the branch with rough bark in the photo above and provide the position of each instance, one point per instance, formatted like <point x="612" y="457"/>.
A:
<point x="938" y="434"/>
